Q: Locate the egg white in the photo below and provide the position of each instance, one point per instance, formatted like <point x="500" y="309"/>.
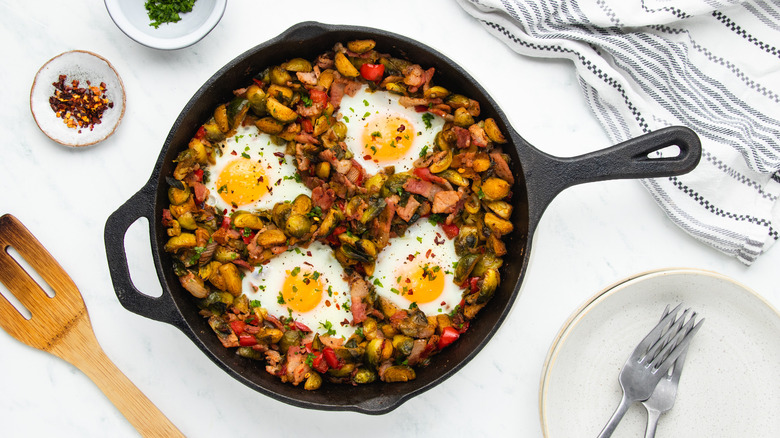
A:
<point x="265" y="284"/>
<point x="355" y="111"/>
<point x="424" y="243"/>
<point x="249" y="142"/>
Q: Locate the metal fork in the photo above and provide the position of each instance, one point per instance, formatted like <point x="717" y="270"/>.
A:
<point x="650" y="361"/>
<point x="665" y="392"/>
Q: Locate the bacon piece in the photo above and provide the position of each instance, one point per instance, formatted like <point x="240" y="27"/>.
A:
<point x="407" y="211"/>
<point x="315" y="109"/>
<point x="458" y="206"/>
<point x="415" y="77"/>
<point x="358" y="289"/>
<point x="418" y="186"/>
<point x="223" y="235"/>
<point x="445" y="201"/>
<point x="502" y="169"/>
<point x="308" y="78"/>
<point x="463" y="160"/>
<point x="305" y="137"/>
<point x="325" y="60"/>
<point x="167" y="218"/>
<point x="295" y="368"/>
<point x="273" y="358"/>
<point x="200" y="191"/>
<point x="331" y="341"/>
<point x="478" y="136"/>
<point x="418" y="347"/>
<point x="462" y="136"/>
<point x="323" y="197"/>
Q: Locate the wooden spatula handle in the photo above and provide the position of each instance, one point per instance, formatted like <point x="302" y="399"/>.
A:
<point x="83" y="351"/>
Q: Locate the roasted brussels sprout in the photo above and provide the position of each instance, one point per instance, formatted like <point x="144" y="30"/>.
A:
<point x="399" y="373"/>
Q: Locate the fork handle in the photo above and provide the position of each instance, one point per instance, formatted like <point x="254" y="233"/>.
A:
<point x="616" y="417"/>
<point x="652" y="422"/>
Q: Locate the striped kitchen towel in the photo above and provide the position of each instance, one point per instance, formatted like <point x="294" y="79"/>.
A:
<point x="711" y="65"/>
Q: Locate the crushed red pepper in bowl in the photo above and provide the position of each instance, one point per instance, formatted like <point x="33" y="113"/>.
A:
<point x="79" y="107"/>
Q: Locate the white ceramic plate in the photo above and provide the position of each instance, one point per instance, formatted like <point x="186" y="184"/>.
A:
<point x="730" y="386"/>
<point x="83" y="66"/>
<point x="132" y="19"/>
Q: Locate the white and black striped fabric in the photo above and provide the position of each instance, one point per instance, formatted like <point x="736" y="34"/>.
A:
<point x="711" y="65"/>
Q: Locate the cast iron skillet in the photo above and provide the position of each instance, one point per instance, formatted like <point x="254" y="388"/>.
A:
<point x="539" y="178"/>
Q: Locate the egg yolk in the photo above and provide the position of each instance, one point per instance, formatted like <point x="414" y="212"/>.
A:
<point x="421" y="283"/>
<point x="242" y="182"/>
<point x="301" y="291"/>
<point x="387" y="138"/>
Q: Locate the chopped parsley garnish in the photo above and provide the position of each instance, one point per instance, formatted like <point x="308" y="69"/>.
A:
<point x="295" y="271"/>
<point x="424" y="151"/>
<point x="167" y="11"/>
<point x="376" y="134"/>
<point x="365" y="102"/>
<point x="306" y="101"/>
<point x="280" y="298"/>
<point x="427" y="117"/>
<point x="254" y="303"/>
<point x="346" y="119"/>
<point x="328" y="326"/>
<point x="377" y="283"/>
<point x="437" y="218"/>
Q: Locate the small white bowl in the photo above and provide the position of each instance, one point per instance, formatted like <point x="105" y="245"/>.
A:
<point x="82" y="66"/>
<point x="132" y="19"/>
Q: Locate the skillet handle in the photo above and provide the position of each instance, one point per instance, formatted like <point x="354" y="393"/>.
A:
<point x="160" y="308"/>
<point x="550" y="175"/>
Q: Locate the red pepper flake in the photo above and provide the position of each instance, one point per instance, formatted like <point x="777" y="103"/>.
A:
<point x="79" y="107"/>
<point x="367" y="157"/>
<point x="233" y="153"/>
<point x="410" y="257"/>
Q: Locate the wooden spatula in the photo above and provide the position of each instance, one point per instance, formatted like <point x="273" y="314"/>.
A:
<point x="60" y="326"/>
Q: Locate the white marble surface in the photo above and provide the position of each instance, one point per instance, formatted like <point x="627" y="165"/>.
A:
<point x="590" y="236"/>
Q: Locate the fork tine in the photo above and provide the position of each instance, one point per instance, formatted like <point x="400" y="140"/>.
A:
<point x="679" y="348"/>
<point x="657" y="331"/>
<point x="673" y="337"/>
<point x="674" y="328"/>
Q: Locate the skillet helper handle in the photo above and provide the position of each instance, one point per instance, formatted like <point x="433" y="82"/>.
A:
<point x="629" y="159"/>
<point x="160" y="308"/>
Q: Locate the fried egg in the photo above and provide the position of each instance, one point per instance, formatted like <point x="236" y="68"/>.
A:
<point x="305" y="284"/>
<point x="381" y="132"/>
<point x="251" y="173"/>
<point x="419" y="268"/>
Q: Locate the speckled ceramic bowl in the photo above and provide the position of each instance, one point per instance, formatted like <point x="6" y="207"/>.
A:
<point x="82" y="66"/>
<point x="132" y="19"/>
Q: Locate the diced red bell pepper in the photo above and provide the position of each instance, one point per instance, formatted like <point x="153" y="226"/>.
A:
<point x="306" y="124"/>
<point x="372" y="72"/>
<point x="258" y="82"/>
<point x="331" y="358"/>
<point x="450" y="230"/>
<point x="423" y="173"/>
<point x="300" y="326"/>
<point x="201" y="134"/>
<point x="247" y="340"/>
<point x="421" y="108"/>
<point x="238" y="326"/>
<point x="198" y="174"/>
<point x="226" y="222"/>
<point x="448" y="336"/>
<point x="319" y="97"/>
<point x="318" y="363"/>
<point x="473" y="286"/>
